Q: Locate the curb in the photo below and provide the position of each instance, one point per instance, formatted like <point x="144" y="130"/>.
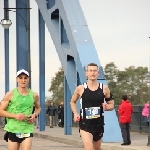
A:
<point x="80" y="144"/>
<point x="58" y="139"/>
<point x="112" y="147"/>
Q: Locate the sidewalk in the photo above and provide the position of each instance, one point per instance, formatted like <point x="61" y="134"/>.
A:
<point x="56" y="134"/>
<point x="139" y="140"/>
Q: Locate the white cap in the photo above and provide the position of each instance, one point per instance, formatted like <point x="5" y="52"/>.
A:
<point x="22" y="71"/>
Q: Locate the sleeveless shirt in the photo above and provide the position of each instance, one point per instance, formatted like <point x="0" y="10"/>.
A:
<point x="20" y="104"/>
<point x="91" y="113"/>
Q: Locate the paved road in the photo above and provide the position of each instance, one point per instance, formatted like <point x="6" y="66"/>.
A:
<point x="42" y="144"/>
<point x="56" y="140"/>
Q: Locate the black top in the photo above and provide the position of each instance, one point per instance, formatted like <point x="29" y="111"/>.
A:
<point x="61" y="110"/>
<point x="51" y="110"/>
<point x="91" y="114"/>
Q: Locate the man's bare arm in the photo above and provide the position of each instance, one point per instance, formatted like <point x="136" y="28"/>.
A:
<point x="4" y="105"/>
<point x="37" y="104"/>
<point x="110" y="103"/>
<point x="74" y="99"/>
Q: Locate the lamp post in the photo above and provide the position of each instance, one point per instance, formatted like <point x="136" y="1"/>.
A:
<point x="6" y="23"/>
<point x="6" y="50"/>
<point x="148" y="144"/>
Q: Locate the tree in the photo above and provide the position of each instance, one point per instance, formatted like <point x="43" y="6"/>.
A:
<point x="131" y="81"/>
<point x="57" y="87"/>
<point x="111" y="73"/>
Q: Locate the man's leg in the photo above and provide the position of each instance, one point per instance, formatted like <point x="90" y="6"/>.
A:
<point x="59" y="123"/>
<point x="128" y="133"/>
<point x="26" y="144"/>
<point x="97" y="144"/>
<point x="54" y="120"/>
<point x="148" y="123"/>
<point x="124" y="132"/>
<point x="62" y="120"/>
<point x="50" y="119"/>
<point x="87" y="139"/>
<point x="13" y="145"/>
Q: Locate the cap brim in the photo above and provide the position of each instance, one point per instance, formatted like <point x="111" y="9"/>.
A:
<point x="22" y="71"/>
<point x="21" y="74"/>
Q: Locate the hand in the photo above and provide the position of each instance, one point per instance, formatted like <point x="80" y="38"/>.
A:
<point x="31" y="118"/>
<point x="20" y="117"/>
<point x="76" y="117"/>
<point x="105" y="106"/>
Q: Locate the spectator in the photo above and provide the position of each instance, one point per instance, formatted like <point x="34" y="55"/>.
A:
<point x="61" y="114"/>
<point x="125" y="112"/>
<point x="145" y="113"/>
<point x="51" y="112"/>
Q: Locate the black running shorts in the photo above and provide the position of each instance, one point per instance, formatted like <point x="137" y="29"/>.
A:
<point x="12" y="137"/>
<point x="96" y="132"/>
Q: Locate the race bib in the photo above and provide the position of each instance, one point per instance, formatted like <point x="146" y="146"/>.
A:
<point x="22" y="135"/>
<point x="92" y="112"/>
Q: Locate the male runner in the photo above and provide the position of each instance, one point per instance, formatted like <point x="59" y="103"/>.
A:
<point x="17" y="107"/>
<point x="91" y="120"/>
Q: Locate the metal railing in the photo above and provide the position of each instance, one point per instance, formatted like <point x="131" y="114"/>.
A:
<point x="136" y="123"/>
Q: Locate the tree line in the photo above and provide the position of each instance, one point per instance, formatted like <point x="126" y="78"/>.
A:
<point x="132" y="81"/>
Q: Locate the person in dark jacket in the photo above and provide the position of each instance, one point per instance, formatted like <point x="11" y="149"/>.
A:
<point x="61" y="115"/>
<point x="51" y="112"/>
<point x="125" y="112"/>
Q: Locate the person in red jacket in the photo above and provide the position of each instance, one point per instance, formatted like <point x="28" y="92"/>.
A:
<point x="125" y="112"/>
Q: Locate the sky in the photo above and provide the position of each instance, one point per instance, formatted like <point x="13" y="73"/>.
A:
<point x="120" y="30"/>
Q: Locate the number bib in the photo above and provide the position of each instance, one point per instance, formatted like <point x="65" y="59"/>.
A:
<point x="22" y="135"/>
<point x="92" y="112"/>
